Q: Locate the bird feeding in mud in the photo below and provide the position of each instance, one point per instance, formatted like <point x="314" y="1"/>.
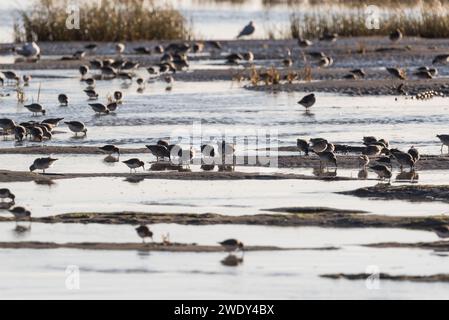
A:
<point x="35" y="108"/>
<point x="63" y="99"/>
<point x="76" y="127"/>
<point x="42" y="164"/>
<point x="110" y="149"/>
<point x="20" y="213"/>
<point x="133" y="164"/>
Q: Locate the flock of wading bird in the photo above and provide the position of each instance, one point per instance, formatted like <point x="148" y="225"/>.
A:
<point x="173" y="58"/>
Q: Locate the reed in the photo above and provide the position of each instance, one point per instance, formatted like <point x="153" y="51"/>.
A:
<point x="425" y="21"/>
<point x="106" y="20"/>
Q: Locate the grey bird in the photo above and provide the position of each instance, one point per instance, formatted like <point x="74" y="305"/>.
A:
<point x="42" y="164"/>
<point x="159" y="151"/>
<point x="327" y="157"/>
<point x="414" y="153"/>
<point x="134" y="163"/>
<point x="99" y="108"/>
<point x="53" y="122"/>
<point x="91" y="93"/>
<point x="76" y="127"/>
<point x="35" y="108"/>
<point x="110" y="149"/>
<point x="29" y="50"/>
<point x="247" y="30"/>
<point x="307" y="101"/>
<point x="403" y="158"/>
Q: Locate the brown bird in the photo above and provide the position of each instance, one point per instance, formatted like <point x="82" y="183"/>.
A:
<point x="232" y="245"/>
<point x="397" y="73"/>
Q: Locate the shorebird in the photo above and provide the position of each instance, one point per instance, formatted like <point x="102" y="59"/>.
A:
<point x="414" y="153"/>
<point x="35" y="108"/>
<point x="159" y="151"/>
<point x="444" y="138"/>
<point x="442" y="231"/>
<point x="304" y="43"/>
<point x="90" y="82"/>
<point x="96" y="64"/>
<point x="119" y="48"/>
<point x="423" y="74"/>
<point x="11" y="76"/>
<point x="350" y="76"/>
<point x="20" y="133"/>
<point x="91" y="93"/>
<point x="144" y="232"/>
<point x="397" y="73"/>
<point x="91" y="46"/>
<point x="208" y="150"/>
<point x="234" y="58"/>
<point x="7" y="194"/>
<point x="332" y="37"/>
<point x="372" y="150"/>
<point x="29" y="50"/>
<point x="303" y="146"/>
<point x="325" y="62"/>
<point x="63" y="99"/>
<point x="327" y="157"/>
<point x="363" y="161"/>
<point x="159" y="49"/>
<point x="382" y="171"/>
<point x="20" y="213"/>
<point x="358" y="72"/>
<point x="26" y="79"/>
<point x="248" y="56"/>
<point x="7" y="125"/>
<point x="118" y="96"/>
<point x="76" y="126"/>
<point x="318" y="145"/>
<point x="385" y="161"/>
<point x="99" y="108"/>
<point x="247" y="30"/>
<point x="395" y="35"/>
<point x="52" y="122"/>
<point x="36" y="133"/>
<point x="83" y="69"/>
<point x="404" y="158"/>
<point x="198" y="47"/>
<point x="112" y="106"/>
<point x="142" y="50"/>
<point x="42" y="164"/>
<point x="307" y="101"/>
<point x="134" y="163"/>
<point x="232" y="245"/>
<point x="110" y="149"/>
<point x="441" y="58"/>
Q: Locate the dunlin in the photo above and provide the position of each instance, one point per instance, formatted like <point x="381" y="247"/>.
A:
<point x="7" y="194"/>
<point x="20" y="213"/>
<point x="110" y="149"/>
<point x="134" y="163"/>
<point x="76" y="127"/>
<point x="159" y="151"/>
<point x="35" y="108"/>
<point x="63" y="99"/>
<point x="444" y="138"/>
<point x="42" y="164"/>
<point x="307" y="101"/>
<point x="99" y="108"/>
<point x="232" y="245"/>
<point x="144" y="232"/>
<point x="91" y="93"/>
<point x="382" y="171"/>
<point x="303" y="146"/>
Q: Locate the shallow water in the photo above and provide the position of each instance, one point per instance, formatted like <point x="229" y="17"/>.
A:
<point x="263" y="275"/>
<point x="185" y="196"/>
<point x="225" y="108"/>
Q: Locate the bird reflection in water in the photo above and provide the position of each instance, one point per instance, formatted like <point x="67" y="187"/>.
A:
<point x="110" y="159"/>
<point x="362" y="174"/>
<point x="322" y="172"/>
<point x="232" y="260"/>
<point x="410" y="176"/>
<point x="21" y="230"/>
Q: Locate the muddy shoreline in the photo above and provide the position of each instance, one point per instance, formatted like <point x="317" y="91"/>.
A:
<point x="327" y="218"/>
<point x="348" y="53"/>
<point x="418" y="193"/>
<point x="386" y="276"/>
